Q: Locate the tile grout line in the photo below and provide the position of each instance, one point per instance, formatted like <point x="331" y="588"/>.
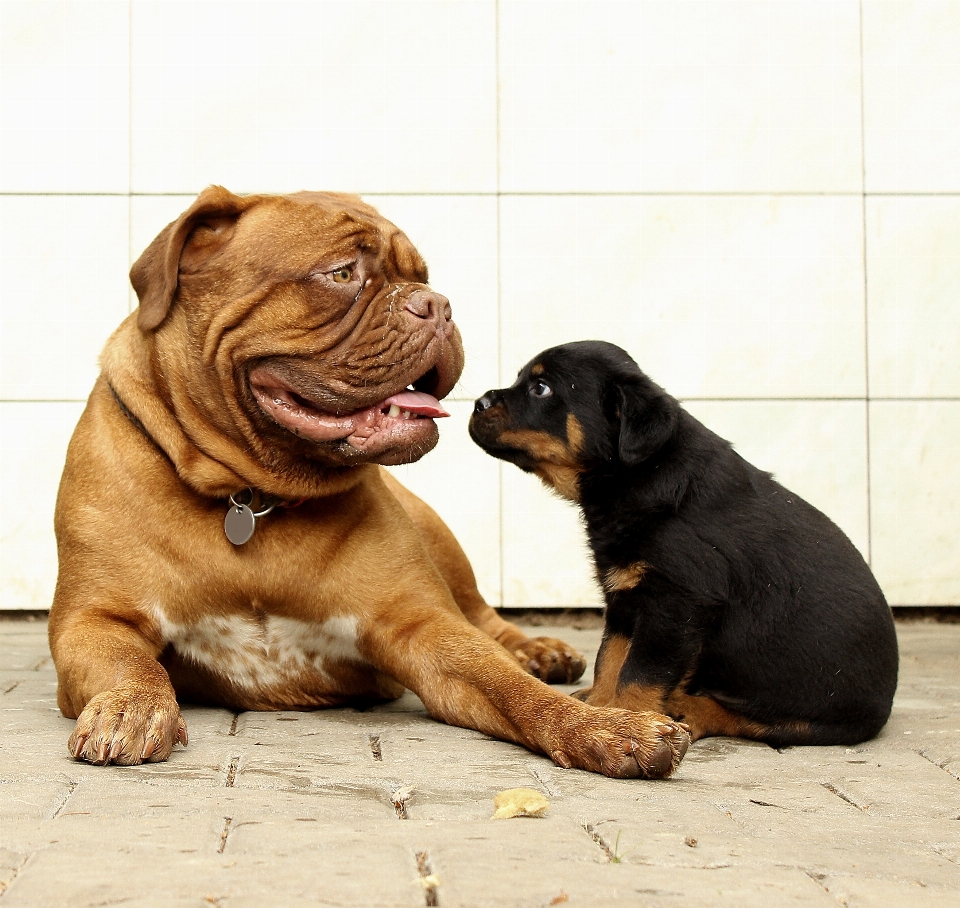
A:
<point x="496" y="63"/>
<point x="428" y="879"/>
<point x="843" y="796"/>
<point x="683" y="399"/>
<point x="6" y="884"/>
<point x="67" y="797"/>
<point x="227" y="822"/>
<point x="944" y="764"/>
<point x="130" y="249"/>
<point x="232" y="771"/>
<point x="482" y="194"/>
<point x="600" y="842"/>
<point x="866" y="300"/>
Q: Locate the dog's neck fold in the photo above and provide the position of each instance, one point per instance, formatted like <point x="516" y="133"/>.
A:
<point x="208" y="461"/>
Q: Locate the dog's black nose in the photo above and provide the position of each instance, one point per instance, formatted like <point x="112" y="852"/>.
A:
<point x="483" y="403"/>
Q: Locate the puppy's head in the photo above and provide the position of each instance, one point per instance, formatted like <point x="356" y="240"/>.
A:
<point x="575" y="408"/>
<point x="301" y="326"/>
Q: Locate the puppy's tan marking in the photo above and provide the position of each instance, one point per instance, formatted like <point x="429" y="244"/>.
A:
<point x="537" y="369"/>
<point x="606" y="675"/>
<point x="616" y="580"/>
<point x="640" y="698"/>
<point x="705" y="717"/>
<point x="574" y="435"/>
<point x="558" y="464"/>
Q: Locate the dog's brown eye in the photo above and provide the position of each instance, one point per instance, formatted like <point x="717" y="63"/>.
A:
<point x="540" y="388"/>
<point x="342" y="275"/>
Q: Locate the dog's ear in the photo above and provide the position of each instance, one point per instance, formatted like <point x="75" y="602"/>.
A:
<point x="206" y="225"/>
<point x="648" y="419"/>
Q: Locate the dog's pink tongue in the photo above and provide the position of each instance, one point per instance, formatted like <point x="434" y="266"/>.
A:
<point x="419" y="403"/>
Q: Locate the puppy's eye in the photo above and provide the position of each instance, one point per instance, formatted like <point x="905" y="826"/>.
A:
<point x="540" y="388"/>
<point x="342" y="275"/>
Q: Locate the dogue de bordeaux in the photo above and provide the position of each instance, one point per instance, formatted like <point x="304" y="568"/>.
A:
<point x="226" y="533"/>
<point x="732" y="605"/>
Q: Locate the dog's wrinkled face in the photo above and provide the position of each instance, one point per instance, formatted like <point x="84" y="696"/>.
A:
<point x="311" y="331"/>
<point x="572" y="409"/>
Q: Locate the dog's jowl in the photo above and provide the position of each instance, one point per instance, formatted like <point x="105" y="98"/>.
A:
<point x="225" y="529"/>
<point x="732" y="605"/>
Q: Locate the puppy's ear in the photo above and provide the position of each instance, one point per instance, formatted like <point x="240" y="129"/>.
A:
<point x="206" y="226"/>
<point x="648" y="419"/>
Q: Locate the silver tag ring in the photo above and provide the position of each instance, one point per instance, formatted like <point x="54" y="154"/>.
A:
<point x="238" y="504"/>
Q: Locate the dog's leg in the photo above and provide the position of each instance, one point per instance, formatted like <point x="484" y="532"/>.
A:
<point x="464" y="680"/>
<point x="608" y="688"/>
<point x="702" y="715"/>
<point x="705" y="718"/>
<point x="109" y="680"/>
<point x="546" y="658"/>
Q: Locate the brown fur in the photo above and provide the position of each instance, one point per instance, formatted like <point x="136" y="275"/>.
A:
<point x="152" y="600"/>
<point x="619" y="579"/>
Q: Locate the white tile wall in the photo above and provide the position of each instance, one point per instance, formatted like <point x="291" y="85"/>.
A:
<point x="33" y="444"/>
<point x="546" y="560"/>
<point x="63" y="290"/>
<point x="279" y="96"/>
<point x="911" y="96"/>
<point x="816" y="448"/>
<point x="913" y="255"/>
<point x="915" y="492"/>
<point x="759" y="200"/>
<point x="457" y="236"/>
<point x="65" y="96"/>
<point x="731" y="296"/>
<point x="463" y="484"/>
<point x="679" y="97"/>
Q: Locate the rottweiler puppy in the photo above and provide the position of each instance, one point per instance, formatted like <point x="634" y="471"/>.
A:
<point x="732" y="605"/>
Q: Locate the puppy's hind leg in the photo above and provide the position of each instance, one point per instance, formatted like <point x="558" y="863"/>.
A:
<point x="706" y="717"/>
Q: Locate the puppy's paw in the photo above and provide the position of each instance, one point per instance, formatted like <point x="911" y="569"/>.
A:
<point x="624" y="744"/>
<point x="126" y="726"/>
<point x="550" y="660"/>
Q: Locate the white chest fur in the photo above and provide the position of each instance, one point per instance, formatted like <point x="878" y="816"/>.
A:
<point x="262" y="653"/>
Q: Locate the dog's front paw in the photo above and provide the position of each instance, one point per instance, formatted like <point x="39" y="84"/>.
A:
<point x="624" y="744"/>
<point x="127" y="726"/>
<point x="550" y="660"/>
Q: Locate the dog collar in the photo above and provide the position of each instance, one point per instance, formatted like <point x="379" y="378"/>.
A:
<point x="241" y="519"/>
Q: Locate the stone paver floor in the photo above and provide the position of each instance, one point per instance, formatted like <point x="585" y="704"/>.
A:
<point x="297" y="809"/>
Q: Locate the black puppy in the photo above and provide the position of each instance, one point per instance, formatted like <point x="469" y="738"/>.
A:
<point x="732" y="605"/>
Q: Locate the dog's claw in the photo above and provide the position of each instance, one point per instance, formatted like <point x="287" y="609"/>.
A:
<point x="550" y="660"/>
<point x="76" y="744"/>
<point x="625" y="744"/>
<point x="660" y="762"/>
<point x="127" y="726"/>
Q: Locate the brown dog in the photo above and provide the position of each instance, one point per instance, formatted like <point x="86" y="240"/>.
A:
<point x="284" y="346"/>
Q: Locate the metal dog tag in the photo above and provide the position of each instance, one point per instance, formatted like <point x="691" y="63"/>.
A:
<point x="239" y="524"/>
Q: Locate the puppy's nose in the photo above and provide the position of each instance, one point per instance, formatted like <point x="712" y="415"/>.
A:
<point x="426" y="304"/>
<point x="484" y="403"/>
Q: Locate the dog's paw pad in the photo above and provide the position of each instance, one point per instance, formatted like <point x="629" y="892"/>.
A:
<point x="126" y="727"/>
<point x="625" y="744"/>
<point x="550" y="660"/>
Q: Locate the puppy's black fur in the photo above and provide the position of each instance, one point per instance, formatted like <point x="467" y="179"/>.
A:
<point x="732" y="604"/>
